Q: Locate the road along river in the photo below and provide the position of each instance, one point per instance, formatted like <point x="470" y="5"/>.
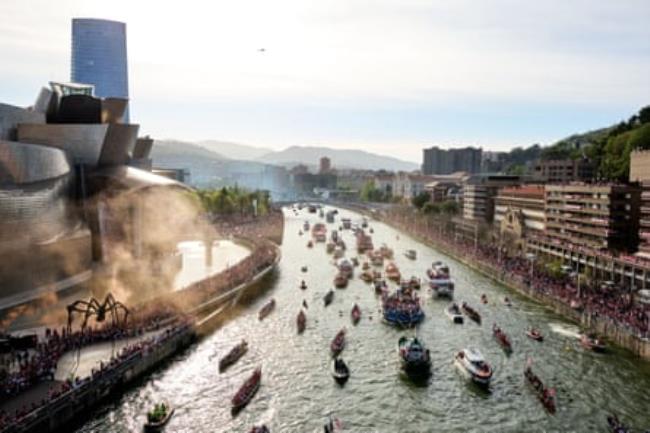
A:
<point x="298" y="392"/>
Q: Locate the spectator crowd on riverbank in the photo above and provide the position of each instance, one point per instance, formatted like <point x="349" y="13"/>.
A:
<point x="610" y="304"/>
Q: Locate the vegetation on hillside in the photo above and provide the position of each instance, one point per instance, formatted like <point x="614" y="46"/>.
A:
<point x="234" y="201"/>
<point x="369" y="193"/>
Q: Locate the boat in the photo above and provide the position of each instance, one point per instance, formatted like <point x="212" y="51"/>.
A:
<point x="338" y="343"/>
<point x="454" y="313"/>
<point x="329" y="217"/>
<point x="386" y="252"/>
<point x="355" y="314"/>
<point x="347" y="223"/>
<point x="333" y="426"/>
<point x="616" y="426"/>
<point x="301" y="322"/>
<point x="330" y="247"/>
<point x="392" y="272"/>
<point x="544" y="394"/>
<point x="310" y="244"/>
<point x="355" y="261"/>
<point x="304" y="269"/>
<point x="345" y="267"/>
<point x="340" y="280"/>
<point x="158" y="417"/>
<point x="484" y="299"/>
<point x="247" y="391"/>
<point x="472" y="365"/>
<point x="591" y="342"/>
<point x="471" y="313"/>
<point x="365" y="266"/>
<point x="364" y="223"/>
<point x="299" y="232"/>
<point x="321" y="214"/>
<point x="366" y="276"/>
<point x="364" y="242"/>
<point x="305" y="226"/>
<point x="233" y="356"/>
<point x="319" y="232"/>
<point x="415" y="359"/>
<point x="415" y="283"/>
<point x="338" y="252"/>
<point x="303" y="285"/>
<point x="411" y="254"/>
<point x="507" y="302"/>
<point x="438" y="270"/>
<point x="442" y="288"/>
<point x="534" y="334"/>
<point x="501" y="338"/>
<point x="328" y="298"/>
<point x="266" y="309"/>
<point x="340" y="371"/>
<point x="380" y="286"/>
<point x="402" y="309"/>
<point x="260" y="429"/>
<point x="311" y="208"/>
<point x="334" y="236"/>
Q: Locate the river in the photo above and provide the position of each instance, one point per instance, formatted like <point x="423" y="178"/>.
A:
<point x="298" y="392"/>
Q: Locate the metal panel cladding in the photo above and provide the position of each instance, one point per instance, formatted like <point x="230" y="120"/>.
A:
<point x="99" y="56"/>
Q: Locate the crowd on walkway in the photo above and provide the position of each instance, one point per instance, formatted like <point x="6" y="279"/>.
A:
<point x="23" y="368"/>
<point x="607" y="303"/>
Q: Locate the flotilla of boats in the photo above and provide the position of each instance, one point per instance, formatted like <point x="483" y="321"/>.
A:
<point x="402" y="308"/>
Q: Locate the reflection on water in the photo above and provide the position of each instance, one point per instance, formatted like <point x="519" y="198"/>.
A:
<point x="225" y="253"/>
<point x="298" y="392"/>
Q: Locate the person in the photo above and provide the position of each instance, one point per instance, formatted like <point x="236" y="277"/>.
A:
<point x="304" y="303"/>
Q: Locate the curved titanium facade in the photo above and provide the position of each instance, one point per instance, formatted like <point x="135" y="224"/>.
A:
<point x="99" y="56"/>
<point x="43" y="239"/>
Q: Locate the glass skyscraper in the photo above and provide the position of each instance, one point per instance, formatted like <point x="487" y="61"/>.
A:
<point x="99" y="56"/>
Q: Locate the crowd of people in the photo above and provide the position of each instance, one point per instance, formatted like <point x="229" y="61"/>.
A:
<point x="611" y="304"/>
<point x="39" y="364"/>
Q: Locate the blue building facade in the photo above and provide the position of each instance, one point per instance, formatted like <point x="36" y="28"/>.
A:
<point x="99" y="56"/>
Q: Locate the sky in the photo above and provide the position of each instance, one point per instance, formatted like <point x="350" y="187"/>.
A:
<point x="390" y="77"/>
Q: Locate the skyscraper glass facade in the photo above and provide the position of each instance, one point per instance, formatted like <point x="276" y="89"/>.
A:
<point x="99" y="56"/>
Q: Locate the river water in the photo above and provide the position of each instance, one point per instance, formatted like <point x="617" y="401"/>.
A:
<point x="298" y="392"/>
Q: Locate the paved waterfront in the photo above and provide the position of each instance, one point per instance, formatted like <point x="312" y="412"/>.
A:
<point x="298" y="392"/>
<point x="225" y="253"/>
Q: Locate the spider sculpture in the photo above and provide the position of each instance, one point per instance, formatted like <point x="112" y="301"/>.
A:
<point x="92" y="307"/>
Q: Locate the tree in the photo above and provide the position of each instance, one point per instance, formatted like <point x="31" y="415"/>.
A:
<point x="430" y="208"/>
<point x="450" y="207"/>
<point x="419" y="200"/>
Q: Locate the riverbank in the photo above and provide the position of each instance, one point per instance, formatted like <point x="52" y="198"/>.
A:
<point x="192" y="313"/>
<point x="592" y="322"/>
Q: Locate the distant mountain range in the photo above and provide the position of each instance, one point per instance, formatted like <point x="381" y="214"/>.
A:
<point x="179" y="153"/>
<point x="235" y="150"/>
<point x="341" y="158"/>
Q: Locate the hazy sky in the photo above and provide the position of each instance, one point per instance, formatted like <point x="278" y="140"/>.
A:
<point x="387" y="76"/>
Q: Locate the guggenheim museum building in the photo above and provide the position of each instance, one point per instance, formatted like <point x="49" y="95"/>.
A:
<point x="79" y="206"/>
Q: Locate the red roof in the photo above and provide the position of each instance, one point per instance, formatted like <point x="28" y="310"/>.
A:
<point x="525" y="191"/>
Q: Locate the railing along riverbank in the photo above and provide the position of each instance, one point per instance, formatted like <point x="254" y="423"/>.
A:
<point x="618" y="333"/>
<point x="192" y="312"/>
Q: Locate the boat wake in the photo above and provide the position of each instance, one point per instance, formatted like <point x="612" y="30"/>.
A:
<point x="565" y="329"/>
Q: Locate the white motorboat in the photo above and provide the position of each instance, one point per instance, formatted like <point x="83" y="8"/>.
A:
<point x="454" y="313"/>
<point x="472" y="365"/>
